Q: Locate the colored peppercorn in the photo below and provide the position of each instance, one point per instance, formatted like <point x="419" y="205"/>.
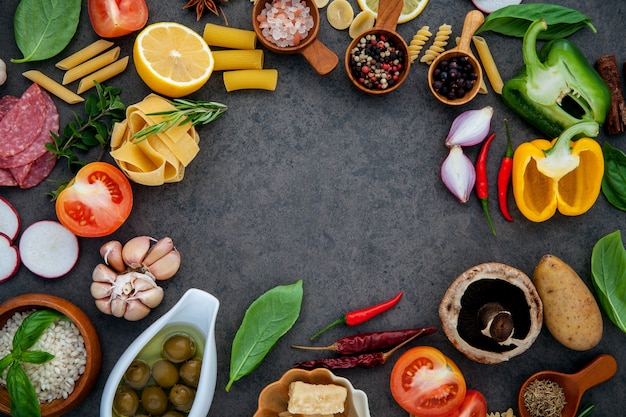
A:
<point x="376" y="62"/>
<point x="482" y="185"/>
<point x="504" y="175"/>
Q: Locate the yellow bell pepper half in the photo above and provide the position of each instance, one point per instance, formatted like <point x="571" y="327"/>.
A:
<point x="561" y="174"/>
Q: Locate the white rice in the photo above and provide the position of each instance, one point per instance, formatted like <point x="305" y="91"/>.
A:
<point x="56" y="378"/>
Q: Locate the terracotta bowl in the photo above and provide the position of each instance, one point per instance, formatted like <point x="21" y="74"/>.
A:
<point x="86" y="382"/>
<point x="274" y="398"/>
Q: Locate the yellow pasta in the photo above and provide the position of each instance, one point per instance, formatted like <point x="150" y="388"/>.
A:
<point x="489" y="65"/>
<point x="418" y="41"/>
<point x="482" y="89"/>
<point x="236" y="59"/>
<point x="84" y="54"/>
<point x="102" y="74"/>
<point x="263" y="79"/>
<point x="53" y="87"/>
<point x="227" y="37"/>
<point x="92" y="65"/>
<point x="438" y="45"/>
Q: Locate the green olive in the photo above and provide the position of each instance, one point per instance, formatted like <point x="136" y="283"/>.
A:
<point x="165" y="373"/>
<point x="181" y="397"/>
<point x="154" y="399"/>
<point x="190" y="372"/>
<point x="137" y="374"/>
<point x="179" y="347"/>
<point x="126" y="401"/>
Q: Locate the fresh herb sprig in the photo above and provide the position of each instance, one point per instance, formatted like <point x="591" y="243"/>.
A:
<point x="196" y="112"/>
<point x="24" y="401"/>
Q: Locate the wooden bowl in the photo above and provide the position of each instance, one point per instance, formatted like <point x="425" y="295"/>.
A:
<point x="87" y="380"/>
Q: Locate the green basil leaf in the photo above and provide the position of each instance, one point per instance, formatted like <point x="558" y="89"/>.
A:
<point x="24" y="401"/>
<point x="43" y="28"/>
<point x="267" y="319"/>
<point x="514" y="20"/>
<point x="614" y="179"/>
<point x="36" y="356"/>
<point x="608" y="270"/>
<point x="5" y="363"/>
<point x="33" y="327"/>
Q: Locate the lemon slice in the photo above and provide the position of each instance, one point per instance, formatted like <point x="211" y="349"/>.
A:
<point x="363" y="21"/>
<point x="410" y="10"/>
<point x="172" y="59"/>
<point x="320" y="4"/>
<point x="340" y="14"/>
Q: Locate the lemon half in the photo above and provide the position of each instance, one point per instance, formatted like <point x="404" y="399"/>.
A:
<point x="410" y="10"/>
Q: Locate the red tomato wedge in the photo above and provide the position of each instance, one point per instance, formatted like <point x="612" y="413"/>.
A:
<point x="113" y="18"/>
<point x="426" y="383"/>
<point x="474" y="405"/>
<point x="96" y="202"/>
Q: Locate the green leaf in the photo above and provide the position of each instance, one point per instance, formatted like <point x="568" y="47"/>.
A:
<point x="514" y="20"/>
<point x="24" y="401"/>
<point x="5" y="363"/>
<point x="43" y="28"/>
<point x="33" y="327"/>
<point x="608" y="270"/>
<point x="36" y="356"/>
<point x="614" y="179"/>
<point x="267" y="319"/>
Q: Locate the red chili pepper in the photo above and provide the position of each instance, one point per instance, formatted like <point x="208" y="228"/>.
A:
<point x="482" y="188"/>
<point x="504" y="175"/>
<point x="356" y="317"/>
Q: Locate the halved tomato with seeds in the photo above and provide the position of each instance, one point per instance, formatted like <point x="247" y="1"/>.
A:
<point x="96" y="202"/>
<point x="426" y="383"/>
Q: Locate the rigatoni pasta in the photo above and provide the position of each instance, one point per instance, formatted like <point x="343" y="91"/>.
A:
<point x="227" y="37"/>
<point x="84" y="54"/>
<point x="489" y="65"/>
<point x="236" y="59"/>
<point x="263" y="79"/>
<point x="53" y="87"/>
<point x="439" y="44"/>
<point x="418" y="41"/>
<point x="102" y="74"/>
<point x="91" y="65"/>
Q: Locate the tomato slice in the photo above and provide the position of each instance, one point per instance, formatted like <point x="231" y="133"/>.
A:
<point x="113" y="18"/>
<point x="474" y="405"/>
<point x="426" y="383"/>
<point x="96" y="202"/>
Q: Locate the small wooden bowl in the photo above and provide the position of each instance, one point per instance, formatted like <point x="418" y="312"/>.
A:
<point x="87" y="380"/>
<point x="322" y="59"/>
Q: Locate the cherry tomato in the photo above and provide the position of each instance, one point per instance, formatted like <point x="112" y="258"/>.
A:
<point x="474" y="405"/>
<point x="96" y="202"/>
<point x="426" y="383"/>
<point x="113" y="18"/>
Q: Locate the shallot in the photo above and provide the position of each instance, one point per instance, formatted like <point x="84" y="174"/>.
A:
<point x="458" y="174"/>
<point x="3" y="72"/>
<point x="470" y="127"/>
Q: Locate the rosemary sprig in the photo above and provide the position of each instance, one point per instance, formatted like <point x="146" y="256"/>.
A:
<point x="196" y="112"/>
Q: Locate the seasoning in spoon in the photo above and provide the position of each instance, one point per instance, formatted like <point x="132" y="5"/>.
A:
<point x="544" y="398"/>
<point x="285" y="22"/>
<point x="376" y="62"/>
<point x="453" y="78"/>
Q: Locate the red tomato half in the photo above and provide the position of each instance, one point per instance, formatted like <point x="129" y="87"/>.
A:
<point x="113" y="18"/>
<point x="427" y="383"/>
<point x="474" y="405"/>
<point x="96" y="202"/>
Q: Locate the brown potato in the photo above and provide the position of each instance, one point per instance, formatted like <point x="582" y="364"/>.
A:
<point x="570" y="312"/>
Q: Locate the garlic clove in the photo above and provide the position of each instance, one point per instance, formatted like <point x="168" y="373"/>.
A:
<point x="458" y="174"/>
<point x="104" y="305"/>
<point x="143" y="282"/>
<point x="103" y="273"/>
<point x="118" y="306"/>
<point x="136" y="310"/>
<point x="166" y="267"/>
<point x="111" y="252"/>
<point x="158" y="250"/>
<point x="135" y="250"/>
<point x="101" y="289"/>
<point x="470" y="127"/>
<point x="151" y="297"/>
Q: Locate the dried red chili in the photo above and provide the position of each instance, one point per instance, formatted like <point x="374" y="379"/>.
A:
<point x="372" y="341"/>
<point x="356" y="317"/>
<point x="482" y="185"/>
<point x="504" y="175"/>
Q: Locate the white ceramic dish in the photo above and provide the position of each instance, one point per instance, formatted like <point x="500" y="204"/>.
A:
<point x="196" y="308"/>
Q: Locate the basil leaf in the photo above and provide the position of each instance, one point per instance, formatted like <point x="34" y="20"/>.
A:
<point x="24" y="401"/>
<point x="43" y="28"/>
<point x="5" y="363"/>
<point x="608" y="270"/>
<point x="36" y="356"/>
<point x="514" y="20"/>
<point x="267" y="319"/>
<point x="614" y="179"/>
<point x="33" y="327"/>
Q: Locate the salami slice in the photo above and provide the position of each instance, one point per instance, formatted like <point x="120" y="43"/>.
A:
<point x="6" y="178"/>
<point x="20" y="173"/>
<point x="41" y="168"/>
<point x="6" y="103"/>
<point x="23" y="122"/>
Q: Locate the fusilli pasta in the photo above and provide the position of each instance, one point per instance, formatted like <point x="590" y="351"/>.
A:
<point x="418" y="41"/>
<point x="438" y="45"/>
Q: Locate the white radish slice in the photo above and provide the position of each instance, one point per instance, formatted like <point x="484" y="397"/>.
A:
<point x="490" y="6"/>
<point x="9" y="258"/>
<point x="9" y="219"/>
<point x="48" y="249"/>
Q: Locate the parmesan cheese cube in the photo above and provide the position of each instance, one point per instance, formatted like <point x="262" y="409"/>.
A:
<point x="312" y="399"/>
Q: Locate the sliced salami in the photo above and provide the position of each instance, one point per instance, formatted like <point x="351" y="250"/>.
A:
<point x="6" y="103"/>
<point x="20" y="173"/>
<point x="21" y="125"/>
<point x="41" y="168"/>
<point x="6" y="178"/>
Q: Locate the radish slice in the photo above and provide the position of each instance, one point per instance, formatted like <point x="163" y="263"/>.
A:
<point x="48" y="249"/>
<point x="9" y="219"/>
<point x="9" y="258"/>
<point x="490" y="6"/>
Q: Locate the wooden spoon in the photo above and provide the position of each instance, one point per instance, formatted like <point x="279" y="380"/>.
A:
<point x="322" y="59"/>
<point x="472" y="22"/>
<point x="386" y="22"/>
<point x="602" y="368"/>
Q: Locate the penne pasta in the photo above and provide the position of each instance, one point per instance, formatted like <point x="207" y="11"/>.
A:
<point x="92" y="65"/>
<point x="482" y="89"/>
<point x="53" y="87"/>
<point x="263" y="79"/>
<point x="237" y="59"/>
<point x="489" y="64"/>
<point x="84" y="54"/>
<point x="227" y="37"/>
<point x="102" y="74"/>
